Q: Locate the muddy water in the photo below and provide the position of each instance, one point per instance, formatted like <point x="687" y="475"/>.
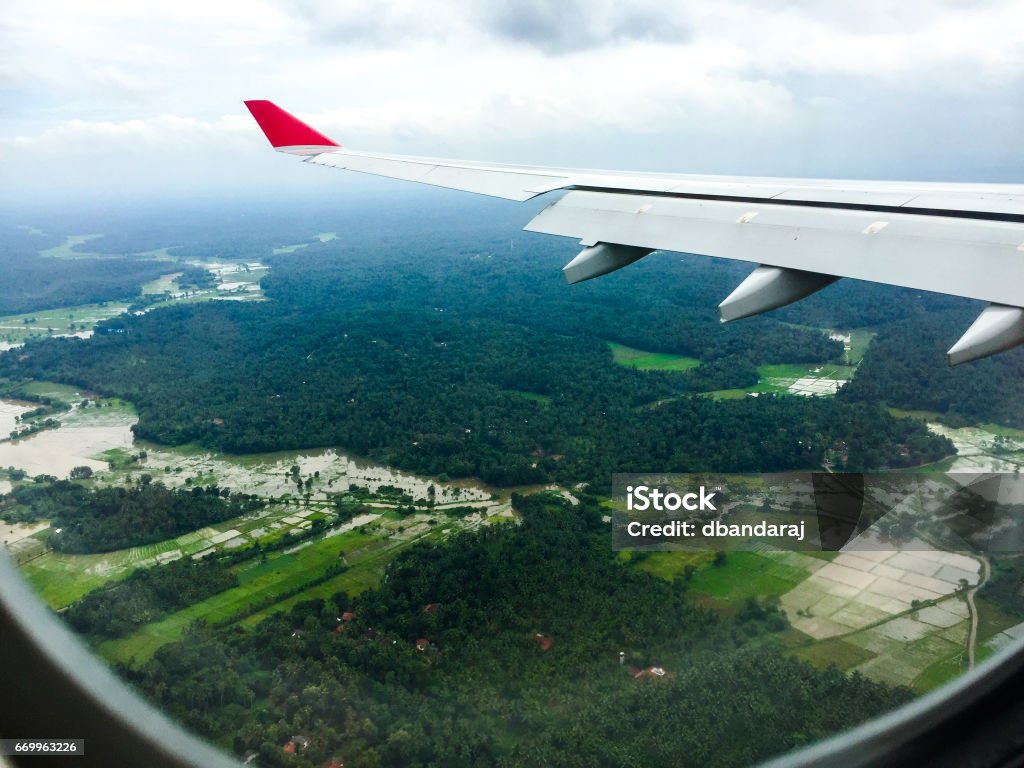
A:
<point x="85" y="433"/>
<point x="10" y="410"/>
<point x="270" y="474"/>
<point x="975" y="450"/>
<point x="82" y="436"/>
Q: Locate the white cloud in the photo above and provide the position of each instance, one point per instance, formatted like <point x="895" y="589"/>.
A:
<point x="732" y="86"/>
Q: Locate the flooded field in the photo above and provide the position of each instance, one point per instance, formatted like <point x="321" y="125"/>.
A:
<point x="298" y="485"/>
<point x="66" y="321"/>
<point x="983" y="450"/>
<point x="100" y="433"/>
<point x="235" y="281"/>
<point x="83" y="436"/>
<point x="271" y="475"/>
<point x="399" y="510"/>
<point x="10" y="410"/>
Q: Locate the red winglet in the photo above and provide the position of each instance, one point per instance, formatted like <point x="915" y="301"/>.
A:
<point x="285" y="130"/>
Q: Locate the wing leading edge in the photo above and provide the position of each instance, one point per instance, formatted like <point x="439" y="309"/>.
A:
<point x="959" y="239"/>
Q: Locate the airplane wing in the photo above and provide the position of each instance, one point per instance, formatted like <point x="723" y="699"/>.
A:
<point x="959" y="239"/>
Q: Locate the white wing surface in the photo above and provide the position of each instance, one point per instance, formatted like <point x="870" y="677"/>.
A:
<point x="959" y="239"/>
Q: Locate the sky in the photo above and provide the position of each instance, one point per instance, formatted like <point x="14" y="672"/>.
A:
<point x="116" y="100"/>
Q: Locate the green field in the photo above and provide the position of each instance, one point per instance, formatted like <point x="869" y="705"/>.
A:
<point x="824" y="370"/>
<point x="778" y="375"/>
<point x="158" y="254"/>
<point x="999" y="429"/>
<point x="651" y="361"/>
<point x="860" y="340"/>
<point x="51" y="322"/>
<point x="919" y="415"/>
<point x="773" y="377"/>
<point x="543" y="399"/>
<point x="668" y="565"/>
<point x="367" y="568"/>
<point x="290" y="248"/>
<point x="163" y="284"/>
<point x="278" y="575"/>
<point x="941" y="672"/>
<point x="742" y="575"/>
<point x="66" y="249"/>
<point x="63" y="392"/>
<point x="61" y="579"/>
<point x="992" y="619"/>
<point x="834" y="652"/>
<point x="729" y="394"/>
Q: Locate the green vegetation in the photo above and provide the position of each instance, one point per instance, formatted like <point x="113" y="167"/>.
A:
<point x="164" y="284"/>
<point x="1003" y="589"/>
<point x="544" y="399"/>
<point x="833" y="652"/>
<point x="941" y="672"/>
<point x="453" y="358"/>
<point x="262" y="583"/>
<point x="146" y="595"/>
<point x="860" y="340"/>
<point x="100" y="520"/>
<point x="900" y="368"/>
<point x="43" y="323"/>
<point x="505" y="672"/>
<point x="430" y="393"/>
<point x="651" y="361"/>
<point x="67" y="249"/>
<point x="59" y="581"/>
<point x="33" y="283"/>
<point x="741" y="575"/>
<point x="992" y="619"/>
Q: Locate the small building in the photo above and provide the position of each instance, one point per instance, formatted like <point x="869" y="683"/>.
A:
<point x="431" y="608"/>
<point x="422" y="644"/>
<point x="347" y="616"/>
<point x="543" y="641"/>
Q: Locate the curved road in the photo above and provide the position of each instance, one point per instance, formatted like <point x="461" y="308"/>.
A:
<point x="972" y="637"/>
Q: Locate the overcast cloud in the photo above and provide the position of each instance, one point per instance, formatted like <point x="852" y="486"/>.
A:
<point x="106" y="98"/>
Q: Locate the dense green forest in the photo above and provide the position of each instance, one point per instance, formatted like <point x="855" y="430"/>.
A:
<point x="898" y="370"/>
<point x="396" y="261"/>
<point x="105" y="519"/>
<point x="31" y="282"/>
<point x="430" y="392"/>
<point x="1004" y="588"/>
<point x="460" y="352"/>
<point x="508" y="673"/>
<point x="146" y="595"/>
